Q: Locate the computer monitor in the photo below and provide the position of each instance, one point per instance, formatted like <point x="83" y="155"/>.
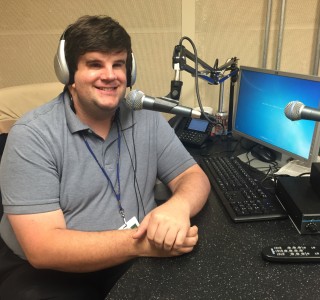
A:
<point x="261" y="98"/>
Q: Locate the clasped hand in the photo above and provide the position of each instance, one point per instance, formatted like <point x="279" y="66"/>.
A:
<point x="167" y="230"/>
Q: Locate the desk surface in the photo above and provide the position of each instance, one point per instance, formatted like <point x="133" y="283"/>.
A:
<point x="226" y="264"/>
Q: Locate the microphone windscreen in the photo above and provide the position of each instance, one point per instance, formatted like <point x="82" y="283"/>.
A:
<point x="134" y="99"/>
<point x="293" y="110"/>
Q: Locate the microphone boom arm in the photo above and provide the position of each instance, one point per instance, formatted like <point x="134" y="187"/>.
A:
<point x="213" y="75"/>
<point x="179" y="62"/>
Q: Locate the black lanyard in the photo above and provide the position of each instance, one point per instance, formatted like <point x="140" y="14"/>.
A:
<point x="116" y="193"/>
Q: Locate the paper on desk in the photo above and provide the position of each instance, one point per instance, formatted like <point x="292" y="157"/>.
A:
<point x="293" y="168"/>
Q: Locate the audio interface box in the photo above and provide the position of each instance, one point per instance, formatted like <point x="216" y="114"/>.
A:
<point x="301" y="202"/>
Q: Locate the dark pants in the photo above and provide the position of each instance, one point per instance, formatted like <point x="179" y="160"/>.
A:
<point x="20" y="281"/>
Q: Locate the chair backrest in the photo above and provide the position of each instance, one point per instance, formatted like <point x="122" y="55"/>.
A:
<point x="17" y="100"/>
<point x="1" y="207"/>
<point x="3" y="138"/>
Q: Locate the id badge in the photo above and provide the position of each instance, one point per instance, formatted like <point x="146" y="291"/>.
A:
<point x="132" y="223"/>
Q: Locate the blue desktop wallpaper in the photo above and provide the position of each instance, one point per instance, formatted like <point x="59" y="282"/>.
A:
<point x="260" y="114"/>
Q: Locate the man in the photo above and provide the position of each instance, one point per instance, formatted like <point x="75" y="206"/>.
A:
<point x="81" y="167"/>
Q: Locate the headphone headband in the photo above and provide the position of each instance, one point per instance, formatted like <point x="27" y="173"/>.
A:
<point x="63" y="73"/>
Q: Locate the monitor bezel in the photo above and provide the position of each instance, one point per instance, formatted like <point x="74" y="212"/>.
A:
<point x="315" y="144"/>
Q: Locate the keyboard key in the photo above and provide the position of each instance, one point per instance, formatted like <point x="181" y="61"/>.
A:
<point x="244" y="198"/>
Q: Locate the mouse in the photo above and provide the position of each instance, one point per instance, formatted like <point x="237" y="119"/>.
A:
<point x="263" y="153"/>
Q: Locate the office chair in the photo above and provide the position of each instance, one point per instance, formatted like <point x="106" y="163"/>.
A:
<point x="3" y="138"/>
<point x="1" y="207"/>
<point x="1" y="213"/>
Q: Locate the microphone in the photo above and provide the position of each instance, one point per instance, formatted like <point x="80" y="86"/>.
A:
<point x="175" y="89"/>
<point x="137" y="100"/>
<point x="296" y="110"/>
<point x="176" y="85"/>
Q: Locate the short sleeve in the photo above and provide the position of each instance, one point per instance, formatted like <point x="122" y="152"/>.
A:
<point x="28" y="173"/>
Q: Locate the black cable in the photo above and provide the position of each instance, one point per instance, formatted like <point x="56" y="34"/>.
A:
<point x="134" y="166"/>
<point x="196" y="77"/>
<point x="135" y="159"/>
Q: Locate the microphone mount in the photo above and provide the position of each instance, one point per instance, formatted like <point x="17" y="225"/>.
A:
<point x="216" y="73"/>
<point x="213" y="75"/>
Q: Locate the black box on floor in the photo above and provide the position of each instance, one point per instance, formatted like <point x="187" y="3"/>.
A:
<point x="301" y="203"/>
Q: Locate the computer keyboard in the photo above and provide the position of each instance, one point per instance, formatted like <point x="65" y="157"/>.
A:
<point x="243" y="196"/>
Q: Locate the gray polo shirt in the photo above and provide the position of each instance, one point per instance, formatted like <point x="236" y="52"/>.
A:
<point x="47" y="166"/>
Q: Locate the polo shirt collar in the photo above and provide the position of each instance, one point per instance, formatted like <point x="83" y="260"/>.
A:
<point x="75" y="125"/>
<point x="73" y="122"/>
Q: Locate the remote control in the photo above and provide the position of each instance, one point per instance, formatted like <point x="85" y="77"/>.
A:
<point x="294" y="253"/>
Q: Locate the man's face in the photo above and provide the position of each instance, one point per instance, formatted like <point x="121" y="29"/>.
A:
<point x="99" y="83"/>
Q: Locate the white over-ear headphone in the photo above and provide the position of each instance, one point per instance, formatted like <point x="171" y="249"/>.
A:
<point x="63" y="73"/>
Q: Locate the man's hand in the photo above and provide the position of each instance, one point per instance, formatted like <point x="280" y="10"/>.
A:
<point x="167" y="226"/>
<point x="149" y="248"/>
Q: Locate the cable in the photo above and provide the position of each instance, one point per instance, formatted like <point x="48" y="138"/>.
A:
<point x="134" y="166"/>
<point x="196" y="77"/>
<point x="135" y="159"/>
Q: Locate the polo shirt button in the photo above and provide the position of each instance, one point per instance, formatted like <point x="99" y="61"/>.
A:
<point x="89" y="131"/>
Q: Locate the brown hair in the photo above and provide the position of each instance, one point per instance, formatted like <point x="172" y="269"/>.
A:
<point x="95" y="33"/>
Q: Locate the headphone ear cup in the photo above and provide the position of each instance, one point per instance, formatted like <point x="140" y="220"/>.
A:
<point x="63" y="74"/>
<point x="131" y="71"/>
<point x="60" y="64"/>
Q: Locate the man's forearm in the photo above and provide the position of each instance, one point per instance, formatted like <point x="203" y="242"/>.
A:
<point x="77" y="251"/>
<point x="192" y="188"/>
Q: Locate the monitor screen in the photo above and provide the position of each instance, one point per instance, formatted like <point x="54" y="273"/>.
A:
<point x="259" y="112"/>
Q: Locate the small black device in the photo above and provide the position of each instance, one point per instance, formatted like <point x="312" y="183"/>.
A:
<point x="263" y="153"/>
<point x="292" y="253"/>
<point x="315" y="178"/>
<point x="193" y="131"/>
<point x="301" y="203"/>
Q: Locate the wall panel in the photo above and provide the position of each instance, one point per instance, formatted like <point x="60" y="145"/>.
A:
<point x="30" y="30"/>
<point x="236" y="28"/>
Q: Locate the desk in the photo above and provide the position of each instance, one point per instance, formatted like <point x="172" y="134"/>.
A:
<point x="226" y="264"/>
